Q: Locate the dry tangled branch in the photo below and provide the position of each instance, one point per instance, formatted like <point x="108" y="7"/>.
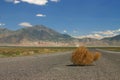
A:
<point x="82" y="56"/>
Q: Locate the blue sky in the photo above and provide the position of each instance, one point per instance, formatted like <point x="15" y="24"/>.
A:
<point x="80" y="18"/>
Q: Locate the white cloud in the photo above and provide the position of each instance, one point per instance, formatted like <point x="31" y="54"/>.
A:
<point x="35" y="2"/>
<point x="101" y="34"/>
<point x="16" y="1"/>
<point x="54" y="0"/>
<point x="65" y="31"/>
<point x="108" y="32"/>
<point x="40" y="15"/>
<point x="25" y="24"/>
<point x="96" y="36"/>
<point x="2" y="24"/>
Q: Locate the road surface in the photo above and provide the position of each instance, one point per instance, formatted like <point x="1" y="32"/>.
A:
<point x="58" y="67"/>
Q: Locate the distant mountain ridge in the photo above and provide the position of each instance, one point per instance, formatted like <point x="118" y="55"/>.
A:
<point x="40" y="35"/>
<point x="35" y="33"/>
<point x="114" y="38"/>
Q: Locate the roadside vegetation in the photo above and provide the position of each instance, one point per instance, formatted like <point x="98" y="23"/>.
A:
<point x="117" y="49"/>
<point x="83" y="56"/>
<point x="25" y="51"/>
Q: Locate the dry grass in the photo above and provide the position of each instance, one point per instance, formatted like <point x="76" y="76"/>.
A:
<point x="82" y="56"/>
<point x="25" y="51"/>
<point x="116" y="49"/>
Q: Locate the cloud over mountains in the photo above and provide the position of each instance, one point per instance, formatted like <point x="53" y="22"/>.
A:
<point x="101" y="34"/>
<point x="25" y="24"/>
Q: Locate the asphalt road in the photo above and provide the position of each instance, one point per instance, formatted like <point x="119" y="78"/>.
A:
<point x="59" y="67"/>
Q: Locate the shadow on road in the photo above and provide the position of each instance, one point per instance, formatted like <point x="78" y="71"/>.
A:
<point x="73" y="65"/>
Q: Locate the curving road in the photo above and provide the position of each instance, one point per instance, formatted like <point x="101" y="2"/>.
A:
<point x="59" y="67"/>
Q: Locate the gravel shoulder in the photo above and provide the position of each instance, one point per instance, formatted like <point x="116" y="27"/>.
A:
<point x="58" y="67"/>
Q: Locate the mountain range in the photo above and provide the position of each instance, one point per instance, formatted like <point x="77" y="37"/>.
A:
<point x="40" y="35"/>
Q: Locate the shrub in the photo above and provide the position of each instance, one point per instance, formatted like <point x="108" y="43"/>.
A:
<point x="82" y="56"/>
<point x="96" y="56"/>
